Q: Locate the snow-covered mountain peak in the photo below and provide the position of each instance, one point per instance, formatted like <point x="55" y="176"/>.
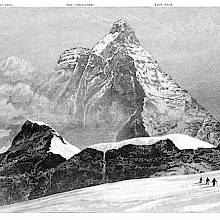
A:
<point x="120" y="36"/>
<point x="118" y="90"/>
<point x="125" y="31"/>
<point x="41" y="135"/>
<point x="121" y="26"/>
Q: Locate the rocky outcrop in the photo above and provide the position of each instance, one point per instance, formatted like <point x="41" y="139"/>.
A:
<point x="35" y="150"/>
<point x="71" y="57"/>
<point x="53" y="174"/>
<point x="92" y="167"/>
<point x="32" y="150"/>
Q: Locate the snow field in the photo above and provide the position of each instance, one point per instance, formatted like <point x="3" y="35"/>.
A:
<point x="164" y="194"/>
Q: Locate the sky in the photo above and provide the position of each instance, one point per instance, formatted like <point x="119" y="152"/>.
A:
<point x="184" y="41"/>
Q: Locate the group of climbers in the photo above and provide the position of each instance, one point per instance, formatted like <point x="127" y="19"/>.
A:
<point x="207" y="181"/>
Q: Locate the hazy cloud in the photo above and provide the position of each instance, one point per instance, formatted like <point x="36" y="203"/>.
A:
<point x="16" y="69"/>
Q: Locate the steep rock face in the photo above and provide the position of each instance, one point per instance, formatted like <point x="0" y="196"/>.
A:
<point x="33" y="149"/>
<point x="133" y="161"/>
<point x="82" y="170"/>
<point x="117" y="90"/>
<point x="160" y="159"/>
<point x="92" y="167"/>
<point x="62" y="86"/>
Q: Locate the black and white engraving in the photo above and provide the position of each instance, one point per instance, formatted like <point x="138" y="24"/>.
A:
<point x="106" y="128"/>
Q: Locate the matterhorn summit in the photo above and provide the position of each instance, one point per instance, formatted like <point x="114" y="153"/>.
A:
<point x="120" y="33"/>
<point x="117" y="91"/>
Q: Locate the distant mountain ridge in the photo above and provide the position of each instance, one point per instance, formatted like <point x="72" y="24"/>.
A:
<point x="116" y="90"/>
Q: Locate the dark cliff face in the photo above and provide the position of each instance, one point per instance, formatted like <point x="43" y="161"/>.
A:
<point x="52" y="174"/>
<point x="82" y="170"/>
<point x="92" y="167"/>
<point x="30" y="151"/>
<point x="116" y="91"/>
<point x="30" y="134"/>
<point x="132" y="128"/>
<point x="132" y="161"/>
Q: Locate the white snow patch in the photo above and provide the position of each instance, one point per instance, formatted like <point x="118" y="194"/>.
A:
<point x="101" y="45"/>
<point x="4" y="149"/>
<point x="200" y="208"/>
<point x="181" y="141"/>
<point x="65" y="150"/>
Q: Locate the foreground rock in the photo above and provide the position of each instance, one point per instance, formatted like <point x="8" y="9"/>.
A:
<point x="51" y="173"/>
<point x="172" y="194"/>
<point x="37" y="148"/>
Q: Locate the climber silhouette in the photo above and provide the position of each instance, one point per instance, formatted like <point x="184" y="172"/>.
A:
<point x="207" y="181"/>
<point x="200" y="180"/>
<point x="214" y="182"/>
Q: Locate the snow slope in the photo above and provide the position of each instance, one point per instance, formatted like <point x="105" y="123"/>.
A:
<point x="101" y="45"/>
<point x="65" y="149"/>
<point x="163" y="194"/>
<point x="181" y="141"/>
